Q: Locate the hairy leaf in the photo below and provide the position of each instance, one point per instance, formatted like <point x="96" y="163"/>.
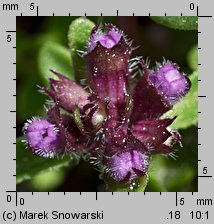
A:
<point x="78" y="36"/>
<point x="178" y="22"/>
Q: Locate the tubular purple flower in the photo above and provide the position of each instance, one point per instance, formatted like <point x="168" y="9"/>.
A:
<point x="43" y="137"/>
<point x="170" y="83"/>
<point x="107" y="61"/>
<point x="128" y="165"/>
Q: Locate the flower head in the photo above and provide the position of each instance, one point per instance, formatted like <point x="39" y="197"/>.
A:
<point x="117" y="124"/>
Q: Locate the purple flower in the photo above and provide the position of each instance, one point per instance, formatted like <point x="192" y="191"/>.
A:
<point x="117" y="124"/>
<point x="108" y="65"/>
<point x="128" y="165"/>
<point x="107" y="40"/>
<point x="170" y="83"/>
<point x="43" y="137"/>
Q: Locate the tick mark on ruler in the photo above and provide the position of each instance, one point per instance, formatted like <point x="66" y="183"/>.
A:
<point x="202" y="96"/>
<point x="205" y="16"/>
<point x="16" y="199"/>
<point x="96" y="196"/>
<point x="176" y="198"/>
<point x="205" y="176"/>
<point x="12" y="111"/>
<point x="117" y="13"/>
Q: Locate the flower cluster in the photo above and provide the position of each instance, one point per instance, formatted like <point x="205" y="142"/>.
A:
<point x="115" y="121"/>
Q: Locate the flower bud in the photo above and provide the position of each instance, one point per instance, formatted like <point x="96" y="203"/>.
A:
<point x="128" y="165"/>
<point x="42" y="137"/>
<point x="169" y="82"/>
<point x="67" y="93"/>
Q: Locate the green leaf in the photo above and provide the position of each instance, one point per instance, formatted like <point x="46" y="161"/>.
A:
<point x="137" y="185"/>
<point x="78" y="36"/>
<point x="28" y="165"/>
<point x="54" y="56"/>
<point x="177" y="22"/>
<point x="166" y="176"/>
<point x="187" y="109"/>
<point x="48" y="181"/>
<point x="192" y="58"/>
